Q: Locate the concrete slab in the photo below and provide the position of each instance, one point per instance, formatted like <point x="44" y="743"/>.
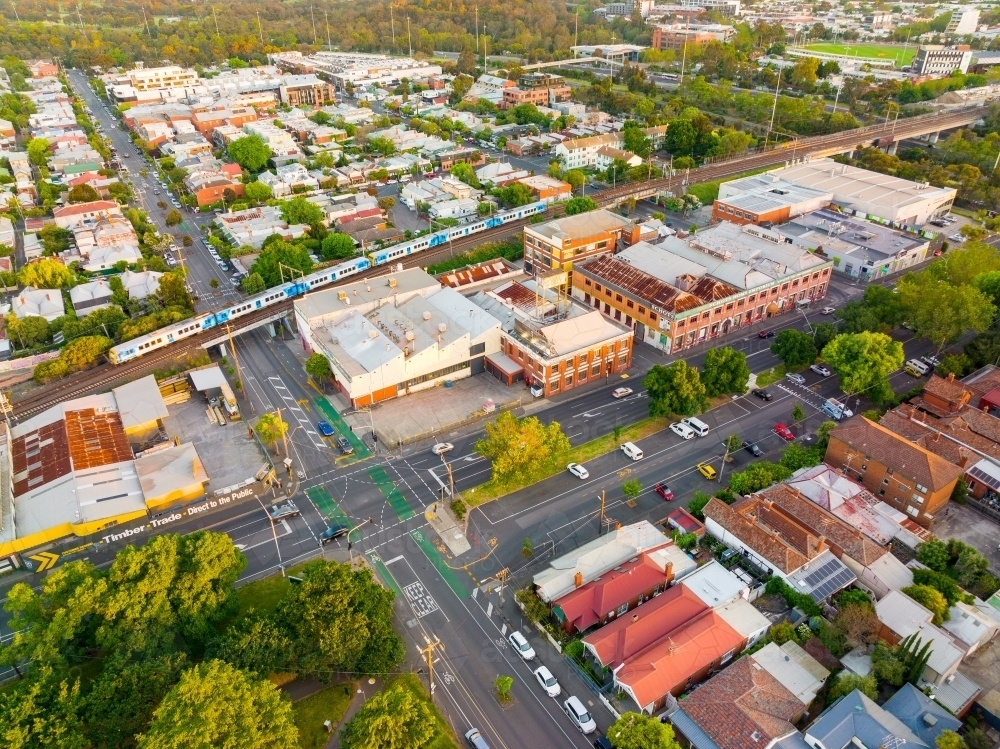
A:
<point x="228" y="454"/>
<point x="447" y="528"/>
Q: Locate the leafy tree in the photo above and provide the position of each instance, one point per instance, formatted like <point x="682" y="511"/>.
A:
<point x="847" y="682"/>
<point x="638" y="731"/>
<point x="949" y="740"/>
<point x="339" y="618"/>
<point x="503" y="683"/>
<point x="962" y="266"/>
<point x="879" y="310"/>
<point x="864" y="361"/>
<point x="215" y="704"/>
<point x="930" y="599"/>
<point x="697" y="505"/>
<point x="84" y="351"/>
<point x="318" y="367"/>
<point x="281" y="253"/>
<point x="337" y="246"/>
<point x="301" y="211"/>
<point x="858" y="623"/>
<point x="942" y="312"/>
<point x="580" y="205"/>
<point x="632" y="489"/>
<point x="38" y="151"/>
<point x="943" y="584"/>
<point x="514" y="195"/>
<point x="915" y="654"/>
<point x="256" y="644"/>
<point x="794" y="348"/>
<point x="83" y="194"/>
<point x="823" y="333"/>
<point x="934" y="554"/>
<point x="795" y="456"/>
<point x="675" y="389"/>
<point x="250" y="152"/>
<point x="386" y="203"/>
<point x="271" y="428"/>
<point x="465" y="173"/>
<point x="258" y="192"/>
<point x="782" y="632"/>
<point x="823" y="434"/>
<point x="173" y="292"/>
<point x="203" y="591"/>
<point x="392" y="719"/>
<point x="725" y="371"/>
<point x="46" y="273"/>
<point x="42" y="712"/>
<point x="733" y="443"/>
<point x="27" y="331"/>
<point x="969" y="566"/>
<point x="520" y="448"/>
<point x="757" y="476"/>
<point x="635" y="139"/>
<point x="174" y="218"/>
<point x="576" y="178"/>
<point x="380" y="145"/>
<point x="886" y="666"/>
<point x="252" y="284"/>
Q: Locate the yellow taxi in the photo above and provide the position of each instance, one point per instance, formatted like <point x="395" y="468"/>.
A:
<point x="707" y="471"/>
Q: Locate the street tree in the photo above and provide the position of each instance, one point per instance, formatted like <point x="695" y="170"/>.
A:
<point x="42" y="712"/>
<point x="638" y="731"/>
<point x="794" y="348"/>
<point x="576" y="178"/>
<point x="254" y="643"/>
<point x="203" y="591"/>
<point x="943" y="312"/>
<point x="38" y="151"/>
<point x="271" y="428"/>
<point x="580" y="205"/>
<point x="863" y="362"/>
<point x="173" y="291"/>
<point x="257" y="192"/>
<point x="337" y="246"/>
<point x="301" y="211"/>
<point x="521" y="448"/>
<point x="174" y="218"/>
<point x="46" y="273"/>
<point x="318" y="367"/>
<point x="281" y="253"/>
<point x="29" y="331"/>
<point x="757" y="476"/>
<point x="250" y="152"/>
<point x="725" y="371"/>
<point x="675" y="389"/>
<point x="215" y="704"/>
<point x="393" y="719"/>
<point x="82" y="194"/>
<point x="878" y="311"/>
<point x="961" y="266"/>
<point x="252" y="284"/>
<point x="632" y="489"/>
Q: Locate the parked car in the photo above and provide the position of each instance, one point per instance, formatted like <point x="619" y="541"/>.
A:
<point x="579" y="715"/>
<point x="578" y="470"/>
<point x="931" y="360"/>
<point x="706" y="470"/>
<point x="766" y="334"/>
<point x="956" y="238"/>
<point x="828" y="310"/>
<point x="821" y="369"/>
<point x="333" y="533"/>
<point x="752" y="448"/>
<point x="682" y="430"/>
<point x="521" y="645"/>
<point x="796" y="378"/>
<point x="784" y="432"/>
<point x="325" y="429"/>
<point x="548" y="681"/>
<point x="284" y="510"/>
<point x="762" y="394"/>
<point x="442" y="447"/>
<point x="621" y="392"/>
<point x="344" y="445"/>
<point x="664" y="491"/>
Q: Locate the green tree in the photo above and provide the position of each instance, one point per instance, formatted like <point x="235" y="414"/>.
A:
<point x="252" y="284"/>
<point x="82" y="194"/>
<point x="26" y="332"/>
<point x="392" y="719"/>
<point x="632" y="489"/>
<point x="271" y="428"/>
<point x="520" y="448"/>
<point x="301" y="211"/>
<point x="514" y="195"/>
<point x="174" y="218"/>
<point x="878" y="311"/>
<point x="725" y="371"/>
<point x="84" y="351"/>
<point x="757" y="476"/>
<point x="258" y="192"/>
<point x="281" y="253"/>
<point x="863" y="362"/>
<point x="638" y="731"/>
<point x="465" y="173"/>
<point x="942" y="312"/>
<point x="256" y="644"/>
<point x="949" y="740"/>
<point x="340" y="619"/>
<point x="697" y="505"/>
<point x="42" y="712"/>
<point x="215" y="704"/>
<point x="173" y="291"/>
<point x="337" y="246"/>
<point x="934" y="554"/>
<point x="635" y="139"/>
<point x="886" y="666"/>
<point x="794" y="348"/>
<point x="847" y="682"/>
<point x="580" y="205"/>
<point x="858" y="624"/>
<point x="46" y="273"/>
<point x="795" y="456"/>
<point x="38" y="151"/>
<point x="203" y="591"/>
<point x="969" y="566"/>
<point x="250" y="152"/>
<point x="503" y="684"/>
<point x="675" y="389"/>
<point x="930" y="599"/>
<point x="318" y="367"/>
<point x="576" y="178"/>
<point x="943" y="584"/>
<point x="961" y="266"/>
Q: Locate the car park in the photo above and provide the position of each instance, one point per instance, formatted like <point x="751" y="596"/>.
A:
<point x="682" y="430"/>
<point x="442" y="447"/>
<point x="333" y="533"/>
<point x="752" y="448"/>
<point x="621" y="392"/>
<point x="325" y="428"/>
<point x="521" y="645"/>
<point x="578" y="470"/>
<point x="284" y="510"/>
<point x="796" y="378"/>
<point x="548" y="681"/>
<point x="763" y="394"/>
<point x="579" y="715"/>
<point x="828" y="310"/>
<point x="664" y="491"/>
<point x="821" y="369"/>
<point x="766" y="334"/>
<point x="706" y="470"/>
<point x="784" y="432"/>
<point x="344" y="445"/>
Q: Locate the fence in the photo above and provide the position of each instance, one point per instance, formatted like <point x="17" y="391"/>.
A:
<point x="28" y="362"/>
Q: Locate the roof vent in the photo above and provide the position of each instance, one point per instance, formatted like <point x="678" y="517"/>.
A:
<point x="442" y="327"/>
<point x="755" y="736"/>
<point x="410" y="335"/>
<point x="373" y="334"/>
<point x="427" y="315"/>
<point x="929" y="720"/>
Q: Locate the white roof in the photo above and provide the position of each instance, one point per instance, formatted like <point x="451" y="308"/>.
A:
<point x="969" y="625"/>
<point x="207" y="378"/>
<point x="683" y="564"/>
<point x="715" y="585"/>
<point x="891" y="572"/>
<point x="142" y="284"/>
<point x="32" y="302"/>
<point x="904" y="616"/>
<point x="741" y="615"/>
<point x="786" y="668"/>
<point x="171" y="471"/>
<point x="139" y="402"/>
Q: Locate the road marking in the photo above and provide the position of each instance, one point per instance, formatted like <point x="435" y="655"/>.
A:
<point x="422" y="602"/>
<point x="300" y="416"/>
<point x="46" y="560"/>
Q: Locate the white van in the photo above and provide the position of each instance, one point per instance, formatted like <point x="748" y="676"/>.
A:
<point x="700" y="427"/>
<point x="916" y="368"/>
<point x="632" y="451"/>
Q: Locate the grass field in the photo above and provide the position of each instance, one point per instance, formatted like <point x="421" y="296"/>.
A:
<point x="328" y="704"/>
<point x="884" y="51"/>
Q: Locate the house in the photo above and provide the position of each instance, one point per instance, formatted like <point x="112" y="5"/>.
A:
<point x="209" y="186"/>
<point x="91" y="296"/>
<point x="107" y="257"/>
<point x="856" y="721"/>
<point x="500" y="173"/>
<point x="32" y="302"/>
<point x="547" y="189"/>
<point x="608" y="155"/>
<point x="287" y="179"/>
<point x="900" y="616"/>
<point x="908" y="477"/>
<point x="923" y="715"/>
<point x="142" y="284"/>
<point x="67" y="217"/>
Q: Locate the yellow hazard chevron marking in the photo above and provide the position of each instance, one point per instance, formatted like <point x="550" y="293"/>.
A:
<point x="46" y="560"/>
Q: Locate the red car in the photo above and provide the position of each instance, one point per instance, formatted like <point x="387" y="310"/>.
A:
<point x="784" y="432"/>
<point x="766" y="334"/>
<point x="664" y="491"/>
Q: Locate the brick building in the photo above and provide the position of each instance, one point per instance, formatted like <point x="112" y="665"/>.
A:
<point x="297" y="90"/>
<point x="540" y="89"/>
<point x="675" y="36"/>
<point x="561" y="243"/>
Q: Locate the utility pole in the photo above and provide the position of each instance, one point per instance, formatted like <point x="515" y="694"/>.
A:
<point x="428" y="653"/>
<point x="284" y="434"/>
<point x="147" y="22"/>
<point x="312" y="15"/>
<point x="600" y="524"/>
<point x="774" y="109"/>
<point x="15" y="11"/>
<point x="576" y="31"/>
<point x="239" y="372"/>
<point x="260" y="29"/>
<point x="409" y="39"/>
<point x="687" y="29"/>
<point x="502" y="579"/>
<point x="486" y="41"/>
<point x="214" y="17"/>
<point x="477" y="31"/>
<point x="326" y="15"/>
<point x="392" y="26"/>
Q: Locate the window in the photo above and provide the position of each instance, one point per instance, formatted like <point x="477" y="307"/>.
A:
<point x="479" y="348"/>
<point x="623" y="608"/>
<point x="921" y="488"/>
<point x="569" y="379"/>
<point x="864" y="467"/>
<point x="751" y="297"/>
<point x="586" y="298"/>
<point x="881" y="492"/>
<point x="618" y="298"/>
<point x="885" y="481"/>
<point x="727" y="657"/>
<point x="680" y="323"/>
<point x="917" y="499"/>
<point x="729" y="306"/>
<point x="597" y="287"/>
<point x="679" y="342"/>
<point x="642" y="310"/>
<point x="629" y="304"/>
<point x="914" y="511"/>
<point x="739" y="214"/>
<point x="586" y="282"/>
<point x="652" y="316"/>
<point x="607" y="293"/>
<point x="596" y="369"/>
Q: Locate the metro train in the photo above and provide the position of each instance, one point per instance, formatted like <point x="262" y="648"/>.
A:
<point x="142" y="345"/>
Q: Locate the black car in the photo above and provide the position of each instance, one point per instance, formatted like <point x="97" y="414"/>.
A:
<point x="762" y="394"/>
<point x="345" y="446"/>
<point x="752" y="448"/>
<point x="333" y="533"/>
<point x="603" y="743"/>
<point x="766" y="334"/>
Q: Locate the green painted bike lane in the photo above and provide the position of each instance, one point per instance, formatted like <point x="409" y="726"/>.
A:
<point x="449" y="575"/>
<point x="392" y="495"/>
<point x="337" y="422"/>
<point x="383" y="572"/>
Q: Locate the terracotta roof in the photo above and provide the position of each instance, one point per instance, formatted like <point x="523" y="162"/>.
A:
<point x="767" y="543"/>
<point x="739" y="702"/>
<point x="955" y="394"/>
<point x="838" y="533"/>
<point x="615" y="642"/>
<point x="896" y="452"/>
<point x="957" y="443"/>
<point x="981" y="423"/>
<point x="584" y="607"/>
<point x="678" y="657"/>
<point x="983" y="380"/>
<point x="78" y="208"/>
<point x="614" y="272"/>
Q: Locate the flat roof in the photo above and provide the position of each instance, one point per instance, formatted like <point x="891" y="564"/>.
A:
<point x="139" y="402"/>
<point x="826" y="226"/>
<point x="714" y="584"/>
<point x="170" y="471"/>
<point x="580" y="226"/>
<point x="337" y="299"/>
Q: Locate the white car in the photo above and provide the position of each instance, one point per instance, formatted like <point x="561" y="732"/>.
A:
<point x="578" y="470"/>
<point x="956" y="238"/>
<point x="621" y="392"/>
<point x="548" y="681"/>
<point x="442" y="447"/>
<point x="579" y="715"/>
<point x="682" y="430"/>
<point x="821" y="370"/>
<point x="521" y="645"/>
<point x="796" y="378"/>
<point x="828" y="310"/>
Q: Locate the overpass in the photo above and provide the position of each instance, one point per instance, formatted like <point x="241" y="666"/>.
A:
<point x="574" y="61"/>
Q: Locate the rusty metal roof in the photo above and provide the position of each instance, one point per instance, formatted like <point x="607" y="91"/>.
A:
<point x="641" y="285"/>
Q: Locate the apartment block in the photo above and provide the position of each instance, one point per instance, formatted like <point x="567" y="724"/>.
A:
<point x="561" y="243"/>
<point x="299" y="90"/>
<point x="675" y="36"/>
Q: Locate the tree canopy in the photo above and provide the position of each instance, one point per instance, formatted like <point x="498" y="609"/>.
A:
<point x="46" y="273"/>
<point x="580" y="205"/>
<point x="863" y="362"/>
<point x="392" y="719"/>
<point x="520" y="448"/>
<point x="794" y="348"/>
<point x="301" y="211"/>
<point x="250" y="152"/>
<point x="638" y="731"/>
<point x="724" y="372"/>
<point x="675" y="389"/>
<point x="281" y="253"/>
<point x="337" y="246"/>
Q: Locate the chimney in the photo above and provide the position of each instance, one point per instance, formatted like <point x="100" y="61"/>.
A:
<point x="964" y="461"/>
<point x="951" y="377"/>
<point x="670" y="572"/>
<point x="937" y="436"/>
<point x="578" y="579"/>
<point x="820" y="544"/>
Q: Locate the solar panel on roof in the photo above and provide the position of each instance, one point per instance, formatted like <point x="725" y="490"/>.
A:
<point x="815" y="577"/>
<point x="980" y="475"/>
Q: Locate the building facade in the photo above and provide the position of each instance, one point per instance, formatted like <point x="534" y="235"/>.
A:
<point x="938" y="60"/>
<point x="572" y="239"/>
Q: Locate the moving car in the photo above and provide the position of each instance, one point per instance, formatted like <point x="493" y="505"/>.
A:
<point x="821" y="369"/>
<point x="578" y="470"/>
<point x="664" y="491"/>
<point x="325" y="429"/>
<point x="621" y="392"/>
<point x="706" y="470"/>
<point x="284" y="510"/>
<point x="766" y="334"/>
<point x="578" y="714"/>
<point x="548" y="681"/>
<point x="521" y="645"/>
<point x="442" y="447"/>
<point x="784" y="432"/>
<point x="344" y="445"/>
<point x="795" y="377"/>
<point x="682" y="430"/>
<point x="762" y="394"/>
<point x="475" y="739"/>
<point x="752" y="448"/>
<point x="827" y="310"/>
<point x="333" y="533"/>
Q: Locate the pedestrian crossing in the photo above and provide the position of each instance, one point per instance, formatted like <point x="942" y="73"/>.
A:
<point x="296" y="410"/>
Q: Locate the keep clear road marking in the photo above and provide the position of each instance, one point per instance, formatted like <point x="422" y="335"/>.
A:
<point x="300" y="416"/>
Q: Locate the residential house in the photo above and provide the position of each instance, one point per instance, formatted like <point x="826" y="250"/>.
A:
<point x="107" y="257"/>
<point x="69" y="216"/>
<point x="923" y="715"/>
<point x="288" y="179"/>
<point x="500" y="173"/>
<point x="91" y="296"/>
<point x="547" y="189"/>
<point x="32" y="302"/>
<point x="606" y="156"/>
<point x="209" y="186"/>
<point x="206" y="122"/>
<point x="142" y="284"/>
<point x="252" y="226"/>
<point x="900" y="617"/>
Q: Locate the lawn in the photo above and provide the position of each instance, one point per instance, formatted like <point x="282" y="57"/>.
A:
<point x="310" y="712"/>
<point x="883" y="51"/>
<point x="264" y="595"/>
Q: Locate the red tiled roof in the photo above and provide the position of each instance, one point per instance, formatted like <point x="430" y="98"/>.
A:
<point x="78" y="208"/>
<point x="584" y="606"/>
<point x="768" y="543"/>
<point x="742" y="700"/>
<point x="640" y="628"/>
<point x="678" y="657"/>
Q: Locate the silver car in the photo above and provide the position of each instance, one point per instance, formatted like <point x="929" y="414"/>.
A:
<point x="796" y="378"/>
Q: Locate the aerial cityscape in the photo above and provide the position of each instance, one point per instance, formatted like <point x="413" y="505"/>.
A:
<point x="390" y="375"/>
